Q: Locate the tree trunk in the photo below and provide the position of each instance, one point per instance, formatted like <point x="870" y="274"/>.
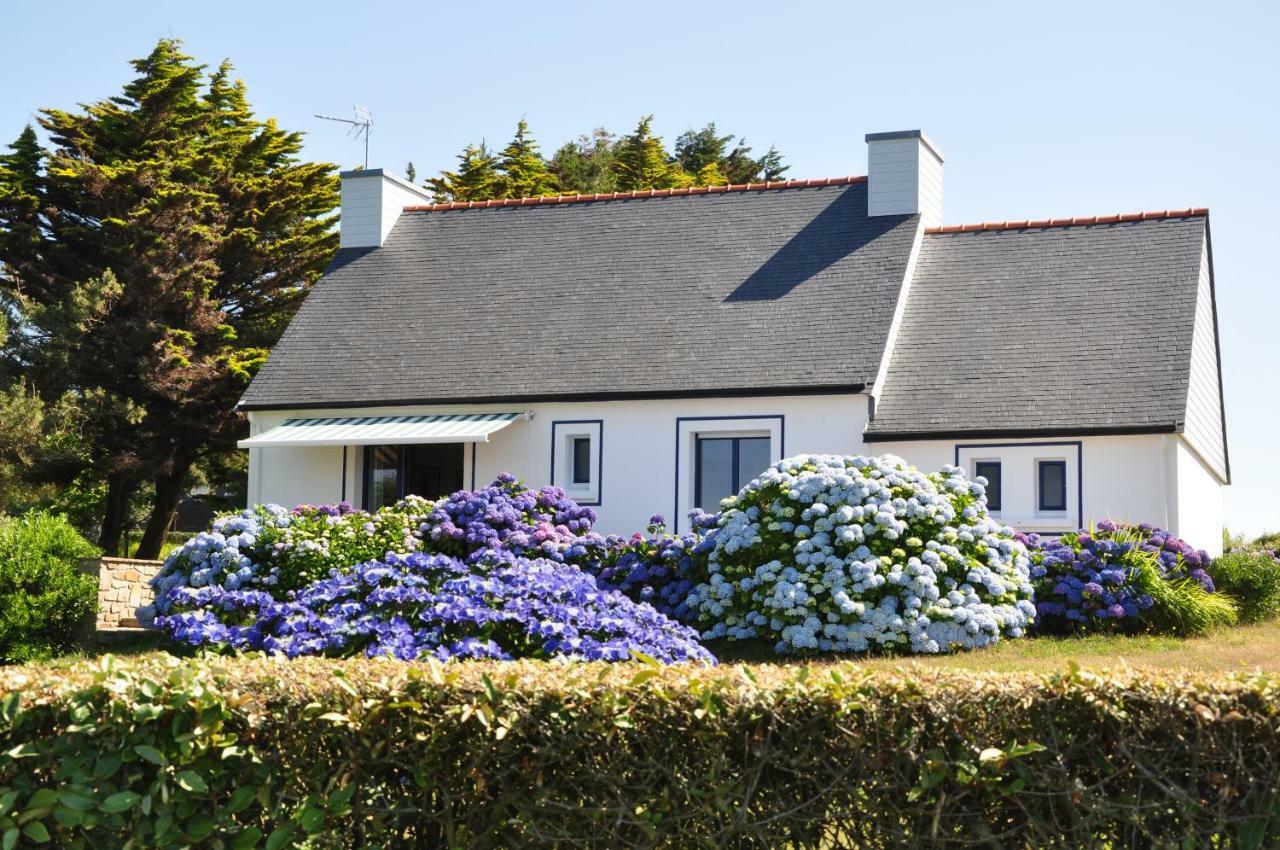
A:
<point x="168" y="494"/>
<point x="120" y="487"/>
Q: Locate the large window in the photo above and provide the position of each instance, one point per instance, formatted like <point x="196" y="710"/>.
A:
<point x="1052" y="485"/>
<point x="990" y="470"/>
<point x="393" y="472"/>
<point x="722" y="465"/>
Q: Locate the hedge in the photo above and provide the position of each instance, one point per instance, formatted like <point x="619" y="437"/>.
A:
<point x="249" y="752"/>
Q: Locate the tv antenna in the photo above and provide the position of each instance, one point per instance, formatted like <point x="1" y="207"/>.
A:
<point x="361" y="125"/>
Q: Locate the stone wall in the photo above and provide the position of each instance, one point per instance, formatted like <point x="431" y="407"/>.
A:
<point x="122" y="589"/>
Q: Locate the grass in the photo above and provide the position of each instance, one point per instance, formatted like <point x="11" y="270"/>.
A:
<point x="1241" y="649"/>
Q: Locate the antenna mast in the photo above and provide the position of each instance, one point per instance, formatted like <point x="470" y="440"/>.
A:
<point x="361" y="125"/>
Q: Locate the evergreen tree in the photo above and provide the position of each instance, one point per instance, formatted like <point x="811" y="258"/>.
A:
<point x="641" y="162"/>
<point x="740" y="167"/>
<point x="697" y="149"/>
<point x="410" y="173"/>
<point x="585" y="165"/>
<point x="477" y="177"/>
<point x="177" y="234"/>
<point x="524" y="171"/>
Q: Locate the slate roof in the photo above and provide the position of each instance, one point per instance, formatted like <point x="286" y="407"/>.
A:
<point x="786" y="289"/>
<point x="1061" y="329"/>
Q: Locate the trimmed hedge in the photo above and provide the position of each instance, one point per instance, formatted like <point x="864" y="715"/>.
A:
<point x="252" y="752"/>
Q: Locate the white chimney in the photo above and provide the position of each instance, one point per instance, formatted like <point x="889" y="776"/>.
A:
<point x="904" y="176"/>
<point x="371" y="202"/>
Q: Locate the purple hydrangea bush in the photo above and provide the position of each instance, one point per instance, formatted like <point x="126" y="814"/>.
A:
<point x="1123" y="577"/>
<point x="1178" y="559"/>
<point x="507" y="520"/>
<point x="660" y="569"/>
<point x="420" y="605"/>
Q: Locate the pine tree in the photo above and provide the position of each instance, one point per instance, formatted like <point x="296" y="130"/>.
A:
<point x="697" y="149"/>
<point x="524" y="171"/>
<point x="740" y="167"/>
<point x="642" y="162"/>
<point x="410" y="173"/>
<point x="585" y="165"/>
<point x="178" y="232"/>
<point x="477" y="177"/>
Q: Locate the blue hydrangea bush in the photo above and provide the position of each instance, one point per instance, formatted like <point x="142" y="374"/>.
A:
<point x="276" y="550"/>
<point x="419" y="605"/>
<point x="852" y="553"/>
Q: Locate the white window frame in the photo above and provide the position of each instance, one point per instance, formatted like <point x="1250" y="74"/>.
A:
<point x="563" y="434"/>
<point x="690" y="429"/>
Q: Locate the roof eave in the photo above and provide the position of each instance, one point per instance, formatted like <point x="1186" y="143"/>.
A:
<point x="722" y="392"/>
<point x="1020" y="433"/>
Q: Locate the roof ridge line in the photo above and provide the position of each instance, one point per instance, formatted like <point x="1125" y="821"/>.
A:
<point x="1027" y="224"/>
<point x="640" y="193"/>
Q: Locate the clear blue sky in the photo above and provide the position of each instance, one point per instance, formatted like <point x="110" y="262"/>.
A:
<point x="1041" y="109"/>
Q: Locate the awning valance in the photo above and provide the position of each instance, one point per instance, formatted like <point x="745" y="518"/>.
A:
<point x="384" y="430"/>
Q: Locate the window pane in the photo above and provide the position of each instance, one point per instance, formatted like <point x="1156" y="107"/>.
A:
<point x="1053" y="485"/>
<point x="753" y="459"/>
<point x="581" y="460"/>
<point x="433" y="470"/>
<point x="990" y="470"/>
<point x="382" y="476"/>
<point x="714" y="473"/>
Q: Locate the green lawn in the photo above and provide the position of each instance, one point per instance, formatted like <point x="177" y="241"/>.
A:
<point x="1242" y="649"/>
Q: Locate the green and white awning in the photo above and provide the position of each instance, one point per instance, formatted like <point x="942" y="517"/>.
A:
<point x="384" y="430"/>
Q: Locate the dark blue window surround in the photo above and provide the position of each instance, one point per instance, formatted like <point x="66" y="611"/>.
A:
<point x="990" y="470"/>
<point x="1052" y="485"/>
<point x="722" y="465"/>
<point x="581" y="460"/>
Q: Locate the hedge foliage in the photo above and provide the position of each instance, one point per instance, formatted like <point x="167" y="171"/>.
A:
<point x="257" y="752"/>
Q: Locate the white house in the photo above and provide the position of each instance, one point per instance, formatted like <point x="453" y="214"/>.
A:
<point x="651" y="351"/>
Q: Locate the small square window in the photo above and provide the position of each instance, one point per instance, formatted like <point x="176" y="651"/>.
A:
<point x="990" y="470"/>
<point x="581" y="460"/>
<point x="1053" y="485"/>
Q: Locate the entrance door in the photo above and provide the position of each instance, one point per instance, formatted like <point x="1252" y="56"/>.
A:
<point x="430" y="470"/>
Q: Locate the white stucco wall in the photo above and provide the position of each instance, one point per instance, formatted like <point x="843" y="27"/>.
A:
<point x="644" y="450"/>
<point x="1141" y="478"/>
<point x="640" y="473"/>
<point x="1198" y="500"/>
<point x="1204" y="429"/>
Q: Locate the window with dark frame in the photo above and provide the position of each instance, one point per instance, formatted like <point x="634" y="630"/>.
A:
<point x="430" y="470"/>
<point x="581" y="473"/>
<point x="1053" y="485"/>
<point x="722" y="465"/>
<point x="990" y="470"/>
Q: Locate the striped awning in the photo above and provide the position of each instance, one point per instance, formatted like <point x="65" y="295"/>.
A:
<point x="384" y="430"/>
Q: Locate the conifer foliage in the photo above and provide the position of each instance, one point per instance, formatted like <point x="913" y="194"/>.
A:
<point x="602" y="162"/>
<point x="150" y="255"/>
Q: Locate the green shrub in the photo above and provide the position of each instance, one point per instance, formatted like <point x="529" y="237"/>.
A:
<point x="43" y="594"/>
<point x="244" y="752"/>
<point x="1253" y="579"/>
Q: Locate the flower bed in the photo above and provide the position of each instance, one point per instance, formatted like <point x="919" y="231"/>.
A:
<point x="834" y="553"/>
